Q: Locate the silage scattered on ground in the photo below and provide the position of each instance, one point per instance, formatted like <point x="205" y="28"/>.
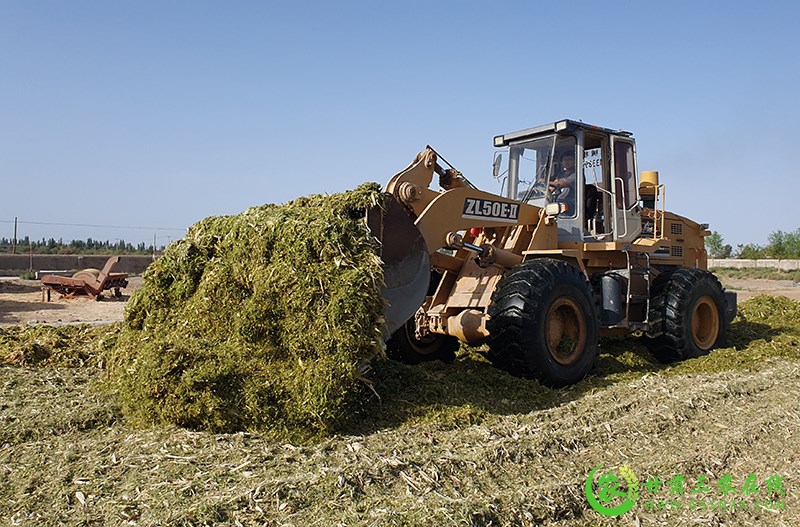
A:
<point x="62" y="346"/>
<point x="260" y="320"/>
<point x="472" y="391"/>
<point x="526" y="466"/>
<point x="447" y="443"/>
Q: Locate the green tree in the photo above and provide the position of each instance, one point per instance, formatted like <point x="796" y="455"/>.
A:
<point x="784" y="244"/>
<point x="750" y="251"/>
<point x="716" y="246"/>
<point x="776" y="248"/>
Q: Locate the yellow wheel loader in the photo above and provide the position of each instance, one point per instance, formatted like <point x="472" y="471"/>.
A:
<point x="576" y="245"/>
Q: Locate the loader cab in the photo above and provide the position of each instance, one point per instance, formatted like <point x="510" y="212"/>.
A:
<point x="588" y="170"/>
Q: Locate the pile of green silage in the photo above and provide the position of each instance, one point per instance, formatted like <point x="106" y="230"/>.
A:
<point x="261" y="320"/>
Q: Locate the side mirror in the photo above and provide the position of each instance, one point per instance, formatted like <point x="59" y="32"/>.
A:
<point x="498" y="160"/>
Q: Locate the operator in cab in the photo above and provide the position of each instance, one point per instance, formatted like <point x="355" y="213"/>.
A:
<point x="562" y="185"/>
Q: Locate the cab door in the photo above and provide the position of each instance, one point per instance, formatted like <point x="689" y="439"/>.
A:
<point x="625" y="197"/>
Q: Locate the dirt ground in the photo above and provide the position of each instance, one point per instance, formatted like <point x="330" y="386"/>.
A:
<point x="21" y="301"/>
<point x="748" y="288"/>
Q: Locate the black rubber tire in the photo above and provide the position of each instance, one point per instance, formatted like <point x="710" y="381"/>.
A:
<point x="687" y="315"/>
<point x="403" y="346"/>
<point x="534" y="307"/>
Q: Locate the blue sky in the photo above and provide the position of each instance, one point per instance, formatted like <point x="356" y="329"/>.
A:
<point x="168" y="112"/>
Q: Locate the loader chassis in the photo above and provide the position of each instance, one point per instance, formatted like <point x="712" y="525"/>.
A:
<point x="539" y="274"/>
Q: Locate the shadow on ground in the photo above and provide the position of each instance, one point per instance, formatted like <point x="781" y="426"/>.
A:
<point x="470" y="390"/>
<point x="7" y="309"/>
<point x="19" y="286"/>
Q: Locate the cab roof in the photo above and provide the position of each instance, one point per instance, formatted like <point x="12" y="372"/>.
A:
<point x="562" y="126"/>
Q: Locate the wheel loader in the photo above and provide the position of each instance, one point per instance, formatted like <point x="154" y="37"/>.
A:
<point x="567" y="251"/>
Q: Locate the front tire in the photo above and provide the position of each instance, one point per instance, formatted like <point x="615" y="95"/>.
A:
<point x="688" y="315"/>
<point x="543" y="323"/>
<point x="404" y="346"/>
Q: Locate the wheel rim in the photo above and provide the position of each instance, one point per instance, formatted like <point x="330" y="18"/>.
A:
<point x="565" y="331"/>
<point x="705" y="323"/>
<point x="423" y="346"/>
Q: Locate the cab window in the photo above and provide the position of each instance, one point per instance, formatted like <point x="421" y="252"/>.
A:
<point x="624" y="175"/>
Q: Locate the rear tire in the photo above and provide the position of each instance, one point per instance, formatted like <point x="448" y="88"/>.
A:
<point x="405" y="347"/>
<point x="543" y="323"/>
<point x="687" y="313"/>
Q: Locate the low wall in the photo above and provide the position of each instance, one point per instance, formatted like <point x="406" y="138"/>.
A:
<point x="784" y="265"/>
<point x="16" y="264"/>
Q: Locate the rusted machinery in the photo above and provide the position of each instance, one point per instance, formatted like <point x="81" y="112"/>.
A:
<point x="88" y="282"/>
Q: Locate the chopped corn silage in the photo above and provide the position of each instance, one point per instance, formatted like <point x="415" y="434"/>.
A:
<point x="256" y="321"/>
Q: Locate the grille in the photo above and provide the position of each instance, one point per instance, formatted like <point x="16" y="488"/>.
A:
<point x="676" y="228"/>
<point x="677" y="250"/>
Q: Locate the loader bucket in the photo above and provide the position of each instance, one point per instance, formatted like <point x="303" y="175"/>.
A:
<point x="406" y="263"/>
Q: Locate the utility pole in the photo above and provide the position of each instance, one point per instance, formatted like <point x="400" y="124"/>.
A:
<point x="14" y="246"/>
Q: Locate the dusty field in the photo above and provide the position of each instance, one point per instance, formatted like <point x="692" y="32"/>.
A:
<point x="21" y="303"/>
<point x="748" y="288"/>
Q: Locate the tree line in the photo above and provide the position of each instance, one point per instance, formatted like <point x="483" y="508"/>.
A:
<point x="89" y="246"/>
<point x="780" y="245"/>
